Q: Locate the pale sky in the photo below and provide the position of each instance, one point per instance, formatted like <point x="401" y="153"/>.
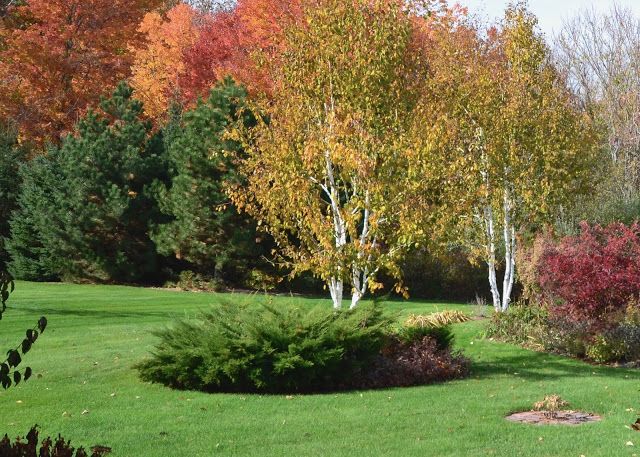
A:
<point x="550" y="12"/>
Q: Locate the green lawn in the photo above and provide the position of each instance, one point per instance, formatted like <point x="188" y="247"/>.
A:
<point x="95" y="335"/>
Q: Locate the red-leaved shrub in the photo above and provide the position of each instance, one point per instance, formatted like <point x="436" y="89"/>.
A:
<point x="595" y="276"/>
<point x="412" y="363"/>
<point x="59" y="448"/>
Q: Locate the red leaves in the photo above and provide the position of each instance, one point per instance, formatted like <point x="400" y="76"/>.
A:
<point x="594" y="274"/>
<point x="211" y="57"/>
<point x="232" y="43"/>
<point x="65" y="57"/>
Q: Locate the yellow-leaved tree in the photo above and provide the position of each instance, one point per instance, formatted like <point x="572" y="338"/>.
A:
<point x="518" y="145"/>
<point x="330" y="167"/>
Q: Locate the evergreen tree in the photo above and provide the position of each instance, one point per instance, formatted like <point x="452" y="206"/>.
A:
<point x="85" y="212"/>
<point x="33" y="223"/>
<point x="11" y="156"/>
<point x="206" y="229"/>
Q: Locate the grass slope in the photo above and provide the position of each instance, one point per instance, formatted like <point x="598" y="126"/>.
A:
<point x="83" y="362"/>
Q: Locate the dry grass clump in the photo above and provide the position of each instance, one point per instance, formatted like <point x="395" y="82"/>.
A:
<point x="440" y="319"/>
<point x="550" y="405"/>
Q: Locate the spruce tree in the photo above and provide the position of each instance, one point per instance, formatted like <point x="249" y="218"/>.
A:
<point x="12" y="154"/>
<point x="33" y="224"/>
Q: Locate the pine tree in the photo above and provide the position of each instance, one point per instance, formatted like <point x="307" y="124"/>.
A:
<point x="206" y="229"/>
<point x="86" y="207"/>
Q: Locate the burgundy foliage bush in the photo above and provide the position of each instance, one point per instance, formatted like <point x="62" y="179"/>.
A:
<point x="417" y="362"/>
<point x="59" y="448"/>
<point x="595" y="276"/>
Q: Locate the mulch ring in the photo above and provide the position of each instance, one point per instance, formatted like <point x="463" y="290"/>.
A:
<point x="560" y="417"/>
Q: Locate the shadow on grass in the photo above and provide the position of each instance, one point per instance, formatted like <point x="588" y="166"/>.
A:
<point x="101" y="314"/>
<point x="540" y="366"/>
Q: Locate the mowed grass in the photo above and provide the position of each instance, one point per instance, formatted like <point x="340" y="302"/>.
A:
<point x="84" y="360"/>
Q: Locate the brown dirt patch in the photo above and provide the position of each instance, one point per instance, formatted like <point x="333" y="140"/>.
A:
<point x="560" y="417"/>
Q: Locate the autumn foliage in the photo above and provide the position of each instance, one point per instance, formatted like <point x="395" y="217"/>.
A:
<point x="237" y="44"/>
<point x="63" y="57"/>
<point x="159" y="62"/>
<point x="594" y="276"/>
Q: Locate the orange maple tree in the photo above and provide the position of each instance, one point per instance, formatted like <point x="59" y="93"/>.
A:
<point x="65" y="56"/>
<point x="159" y="62"/>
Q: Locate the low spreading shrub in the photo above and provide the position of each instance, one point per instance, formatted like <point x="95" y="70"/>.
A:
<point x="293" y="349"/>
<point x="605" y="350"/>
<point x="442" y="336"/>
<point x="268" y="349"/>
<point x="59" y="448"/>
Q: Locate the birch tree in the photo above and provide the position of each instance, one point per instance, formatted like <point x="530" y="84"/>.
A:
<point x="518" y="144"/>
<point x="329" y="166"/>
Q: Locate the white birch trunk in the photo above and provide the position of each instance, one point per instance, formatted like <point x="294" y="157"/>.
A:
<point x="500" y="300"/>
<point x="491" y="257"/>
<point x="509" y="256"/>
<point x="335" y="289"/>
<point x="360" y="280"/>
<point x="360" y="276"/>
<point x="336" y="284"/>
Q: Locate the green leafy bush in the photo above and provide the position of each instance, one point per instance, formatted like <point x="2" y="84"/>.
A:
<point x="567" y="336"/>
<point x="293" y="349"/>
<point x="188" y="280"/>
<point x="605" y="350"/>
<point x="523" y="324"/>
<point x="628" y="334"/>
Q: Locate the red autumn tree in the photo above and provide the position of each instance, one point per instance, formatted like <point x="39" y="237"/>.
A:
<point x="211" y="56"/>
<point x="233" y="43"/>
<point x="69" y="54"/>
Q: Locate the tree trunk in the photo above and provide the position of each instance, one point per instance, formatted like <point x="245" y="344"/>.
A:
<point x="336" y="284"/>
<point x="491" y="257"/>
<point x="336" y="287"/>
<point x="360" y="280"/>
<point x="509" y="254"/>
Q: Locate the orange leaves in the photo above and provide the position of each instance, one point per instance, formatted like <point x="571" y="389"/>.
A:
<point x="67" y="55"/>
<point x="159" y="63"/>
